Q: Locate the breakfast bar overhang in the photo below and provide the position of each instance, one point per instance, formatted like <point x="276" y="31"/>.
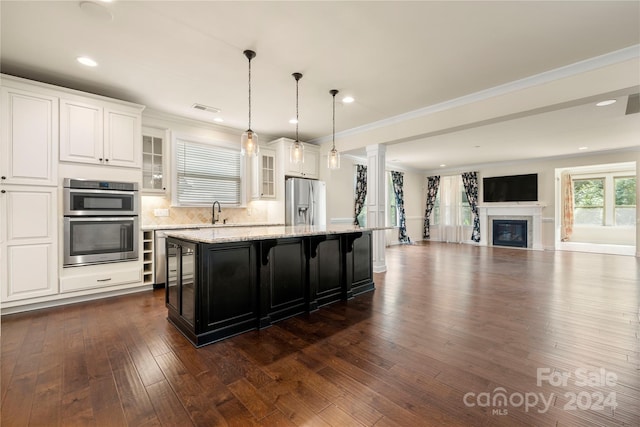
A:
<point x="225" y="281"/>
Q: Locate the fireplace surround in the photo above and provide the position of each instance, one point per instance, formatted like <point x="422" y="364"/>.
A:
<point x="532" y="213"/>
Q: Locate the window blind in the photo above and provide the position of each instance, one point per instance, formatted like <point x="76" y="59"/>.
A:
<point x="206" y="173"/>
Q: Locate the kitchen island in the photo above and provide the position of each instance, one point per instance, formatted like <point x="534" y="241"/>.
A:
<point x="225" y="281"/>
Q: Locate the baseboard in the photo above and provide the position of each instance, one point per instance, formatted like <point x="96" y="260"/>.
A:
<point x="598" y="248"/>
<point x="73" y="300"/>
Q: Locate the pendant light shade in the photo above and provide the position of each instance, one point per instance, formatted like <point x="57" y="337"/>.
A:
<point x="296" y="150"/>
<point x="333" y="158"/>
<point x="249" y="140"/>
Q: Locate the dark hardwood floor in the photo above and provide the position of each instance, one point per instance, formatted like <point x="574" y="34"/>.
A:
<point x="450" y="331"/>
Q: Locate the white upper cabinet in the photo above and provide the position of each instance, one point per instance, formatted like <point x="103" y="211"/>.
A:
<point x="102" y="133"/>
<point x="263" y="184"/>
<point x="81" y="136"/>
<point x="154" y="175"/>
<point x="123" y="138"/>
<point x="29" y="139"/>
<point x="310" y="168"/>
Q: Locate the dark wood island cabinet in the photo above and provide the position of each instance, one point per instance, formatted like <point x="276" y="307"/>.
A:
<point x="223" y="282"/>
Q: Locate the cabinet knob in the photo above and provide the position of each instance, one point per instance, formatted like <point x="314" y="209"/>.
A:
<point x="3" y="191"/>
<point x="106" y="160"/>
<point x="4" y="177"/>
<point x="100" y="159"/>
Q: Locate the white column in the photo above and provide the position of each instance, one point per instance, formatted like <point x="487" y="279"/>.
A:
<point x="376" y="209"/>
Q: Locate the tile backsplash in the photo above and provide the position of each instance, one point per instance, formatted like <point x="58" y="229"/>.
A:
<point x="256" y="212"/>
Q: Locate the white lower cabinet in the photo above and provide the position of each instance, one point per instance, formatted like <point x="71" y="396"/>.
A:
<point x="102" y="276"/>
<point x="28" y="242"/>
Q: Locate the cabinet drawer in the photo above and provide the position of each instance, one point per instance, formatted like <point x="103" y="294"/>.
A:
<point x="100" y="280"/>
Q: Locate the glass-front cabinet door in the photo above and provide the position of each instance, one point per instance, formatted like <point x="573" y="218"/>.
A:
<point x="153" y="168"/>
<point x="263" y="183"/>
<point x="181" y="280"/>
<point x="268" y="175"/>
<point x="172" y="275"/>
<point x="187" y="273"/>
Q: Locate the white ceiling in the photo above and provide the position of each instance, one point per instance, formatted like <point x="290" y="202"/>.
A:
<point x="393" y="57"/>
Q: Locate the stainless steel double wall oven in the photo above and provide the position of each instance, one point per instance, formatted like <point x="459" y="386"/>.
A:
<point x="100" y="221"/>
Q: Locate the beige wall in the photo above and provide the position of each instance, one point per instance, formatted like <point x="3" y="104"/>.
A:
<point x="341" y="197"/>
<point x="340" y="188"/>
<point x="546" y="180"/>
<point x="257" y="212"/>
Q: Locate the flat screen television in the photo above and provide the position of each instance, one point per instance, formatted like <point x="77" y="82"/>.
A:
<point x="513" y="188"/>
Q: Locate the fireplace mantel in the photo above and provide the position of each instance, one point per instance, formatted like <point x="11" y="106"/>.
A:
<point x="512" y="210"/>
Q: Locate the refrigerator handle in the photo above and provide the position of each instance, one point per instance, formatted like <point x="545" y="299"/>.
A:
<point x="312" y="206"/>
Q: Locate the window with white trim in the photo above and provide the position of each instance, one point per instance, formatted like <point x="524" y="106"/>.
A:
<point x="206" y="172"/>
<point x="456" y="208"/>
<point x="607" y="199"/>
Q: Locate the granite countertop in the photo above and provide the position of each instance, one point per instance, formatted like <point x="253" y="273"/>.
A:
<point x="240" y="234"/>
<point x="187" y="226"/>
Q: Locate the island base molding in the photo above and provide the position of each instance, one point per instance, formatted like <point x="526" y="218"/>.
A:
<point x="218" y="290"/>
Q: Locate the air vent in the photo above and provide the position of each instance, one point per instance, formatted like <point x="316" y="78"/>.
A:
<point x="203" y="107"/>
<point x="633" y="104"/>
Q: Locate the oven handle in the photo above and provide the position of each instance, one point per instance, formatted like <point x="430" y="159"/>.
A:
<point x="90" y="191"/>
<point x="123" y="235"/>
<point x="100" y="219"/>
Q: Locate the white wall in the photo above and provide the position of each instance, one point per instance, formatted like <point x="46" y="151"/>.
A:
<point x="340" y="188"/>
<point x="545" y="169"/>
<point x="414" y="186"/>
<point x="260" y="211"/>
<point x="341" y="196"/>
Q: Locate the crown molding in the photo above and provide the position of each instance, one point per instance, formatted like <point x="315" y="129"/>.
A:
<point x="611" y="58"/>
<point x="478" y="166"/>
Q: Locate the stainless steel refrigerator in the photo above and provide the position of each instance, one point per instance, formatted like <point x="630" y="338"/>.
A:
<point x="305" y="202"/>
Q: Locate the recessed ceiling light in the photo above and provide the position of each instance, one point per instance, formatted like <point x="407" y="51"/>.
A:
<point x="85" y="60"/>
<point x="442" y="165"/>
<point x="605" y="103"/>
<point x="583" y="148"/>
<point x="293" y="121"/>
<point x="348" y="99"/>
<point x="218" y="119"/>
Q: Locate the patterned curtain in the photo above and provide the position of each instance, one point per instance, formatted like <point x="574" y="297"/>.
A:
<point x="433" y="182"/>
<point x="470" y="181"/>
<point x="397" y="178"/>
<point x="361" y="191"/>
<point x="567" y="206"/>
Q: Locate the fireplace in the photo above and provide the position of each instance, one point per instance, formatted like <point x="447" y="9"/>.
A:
<point x="510" y="232"/>
<point x="532" y="213"/>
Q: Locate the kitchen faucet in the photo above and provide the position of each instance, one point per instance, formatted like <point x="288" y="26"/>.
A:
<point x="213" y="212"/>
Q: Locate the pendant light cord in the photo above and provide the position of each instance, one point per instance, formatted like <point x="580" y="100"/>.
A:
<point x="334" y="92"/>
<point x="334" y="122"/>
<point x="249" y="93"/>
<point x="297" y="76"/>
<point x="297" y="139"/>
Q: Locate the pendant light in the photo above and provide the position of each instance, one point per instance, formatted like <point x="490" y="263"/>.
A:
<point x="296" y="150"/>
<point x="333" y="159"/>
<point x="249" y="140"/>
